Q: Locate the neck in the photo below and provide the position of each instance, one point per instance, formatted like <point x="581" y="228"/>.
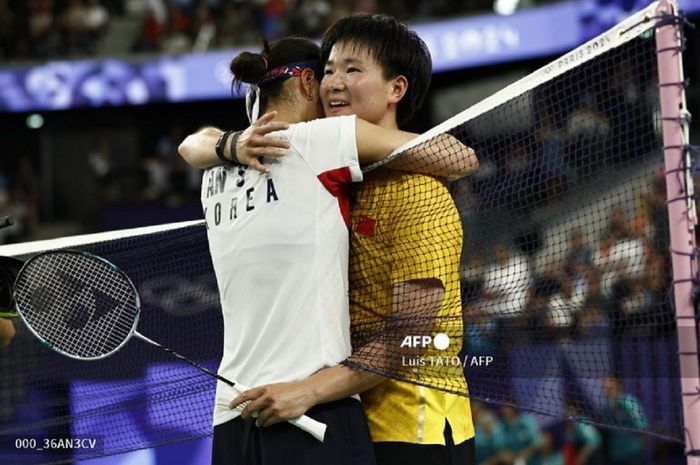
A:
<point x="286" y="114"/>
<point x="388" y="121"/>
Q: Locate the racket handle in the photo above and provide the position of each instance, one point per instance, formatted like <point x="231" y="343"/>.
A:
<point x="305" y="423"/>
<point x="184" y="359"/>
<point x="308" y="424"/>
<point x="311" y="426"/>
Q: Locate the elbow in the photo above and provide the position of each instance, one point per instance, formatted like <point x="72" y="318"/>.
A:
<point x="473" y="161"/>
<point x="469" y="162"/>
<point x="185" y="150"/>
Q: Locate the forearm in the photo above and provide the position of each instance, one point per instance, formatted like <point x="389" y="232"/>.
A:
<point x="384" y="352"/>
<point x="199" y="149"/>
<point x="340" y="382"/>
<point x="442" y="156"/>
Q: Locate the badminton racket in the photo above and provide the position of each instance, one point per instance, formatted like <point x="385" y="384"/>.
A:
<point x="86" y="308"/>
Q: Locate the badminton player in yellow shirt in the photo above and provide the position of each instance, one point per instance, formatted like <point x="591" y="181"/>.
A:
<point x="406" y="240"/>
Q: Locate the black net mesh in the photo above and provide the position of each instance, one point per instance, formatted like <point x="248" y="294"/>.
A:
<point x="553" y="257"/>
<point x="543" y="278"/>
<point x="139" y="397"/>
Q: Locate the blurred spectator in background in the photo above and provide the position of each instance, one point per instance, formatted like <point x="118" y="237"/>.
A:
<point x="236" y="26"/>
<point x="67" y="28"/>
<point x="536" y="318"/>
<point x="472" y="278"/>
<point x="587" y="131"/>
<point x="43" y="37"/>
<point x="550" y="161"/>
<point x="523" y="436"/>
<point x="660" y="311"/>
<point x="625" y="96"/>
<point x="204" y="30"/>
<point x="177" y="34"/>
<point x="152" y="28"/>
<point x="566" y="303"/>
<point x="26" y="196"/>
<point x="157" y="171"/>
<point x="490" y="439"/>
<point x="656" y="209"/>
<point x="73" y="23"/>
<point x="582" y="441"/>
<point x="592" y="322"/>
<point x="184" y="180"/>
<point x="607" y="264"/>
<point x="549" y="454"/>
<point x="338" y="9"/>
<point x="96" y="23"/>
<point x="623" y="409"/>
<point x="100" y="159"/>
<point x="516" y="180"/>
<point x="636" y="308"/>
<point x="311" y="17"/>
<point x="579" y="257"/>
<point x="506" y="284"/>
<point x="479" y="331"/>
<point x="587" y="122"/>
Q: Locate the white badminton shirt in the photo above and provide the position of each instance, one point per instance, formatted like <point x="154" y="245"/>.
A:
<point x="279" y="245"/>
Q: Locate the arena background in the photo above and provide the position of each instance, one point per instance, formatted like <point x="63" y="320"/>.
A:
<point x="96" y="95"/>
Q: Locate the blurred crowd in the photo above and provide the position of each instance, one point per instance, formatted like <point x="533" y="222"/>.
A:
<point x="616" y="283"/>
<point x="507" y="436"/>
<point x="41" y="29"/>
<point x="158" y="177"/>
<point x="161" y="175"/>
<point x="601" y="125"/>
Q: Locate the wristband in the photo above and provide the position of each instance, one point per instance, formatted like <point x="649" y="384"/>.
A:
<point x="219" y="147"/>
<point x="234" y="155"/>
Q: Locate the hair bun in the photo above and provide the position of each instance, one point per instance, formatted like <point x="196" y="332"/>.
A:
<point x="248" y="67"/>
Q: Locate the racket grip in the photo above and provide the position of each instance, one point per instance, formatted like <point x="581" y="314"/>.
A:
<point x="311" y="426"/>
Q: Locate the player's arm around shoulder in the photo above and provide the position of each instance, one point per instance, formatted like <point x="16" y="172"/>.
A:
<point x="199" y="148"/>
<point x="442" y="155"/>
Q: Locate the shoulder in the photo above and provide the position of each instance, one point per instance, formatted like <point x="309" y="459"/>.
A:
<point x="401" y="182"/>
<point x="334" y="122"/>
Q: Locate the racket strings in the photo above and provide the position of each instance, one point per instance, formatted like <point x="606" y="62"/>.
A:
<point x="80" y="305"/>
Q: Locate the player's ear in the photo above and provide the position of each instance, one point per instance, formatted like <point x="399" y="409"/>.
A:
<point x="307" y="81"/>
<point x="398" y="86"/>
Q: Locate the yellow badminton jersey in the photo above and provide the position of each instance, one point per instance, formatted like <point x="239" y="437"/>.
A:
<point x="406" y="227"/>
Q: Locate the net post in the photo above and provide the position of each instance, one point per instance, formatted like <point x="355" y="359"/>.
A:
<point x="682" y="220"/>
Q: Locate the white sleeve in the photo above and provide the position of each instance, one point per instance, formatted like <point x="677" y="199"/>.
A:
<point x="328" y="145"/>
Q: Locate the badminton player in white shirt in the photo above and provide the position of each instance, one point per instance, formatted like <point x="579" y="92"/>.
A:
<point x="279" y="245"/>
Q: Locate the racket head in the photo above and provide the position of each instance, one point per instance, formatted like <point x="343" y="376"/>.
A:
<point x="78" y="304"/>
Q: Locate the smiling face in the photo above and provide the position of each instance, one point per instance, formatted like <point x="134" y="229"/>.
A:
<point x="354" y="84"/>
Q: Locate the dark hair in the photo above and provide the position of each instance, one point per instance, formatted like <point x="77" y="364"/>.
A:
<point x="398" y="51"/>
<point x="250" y="67"/>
